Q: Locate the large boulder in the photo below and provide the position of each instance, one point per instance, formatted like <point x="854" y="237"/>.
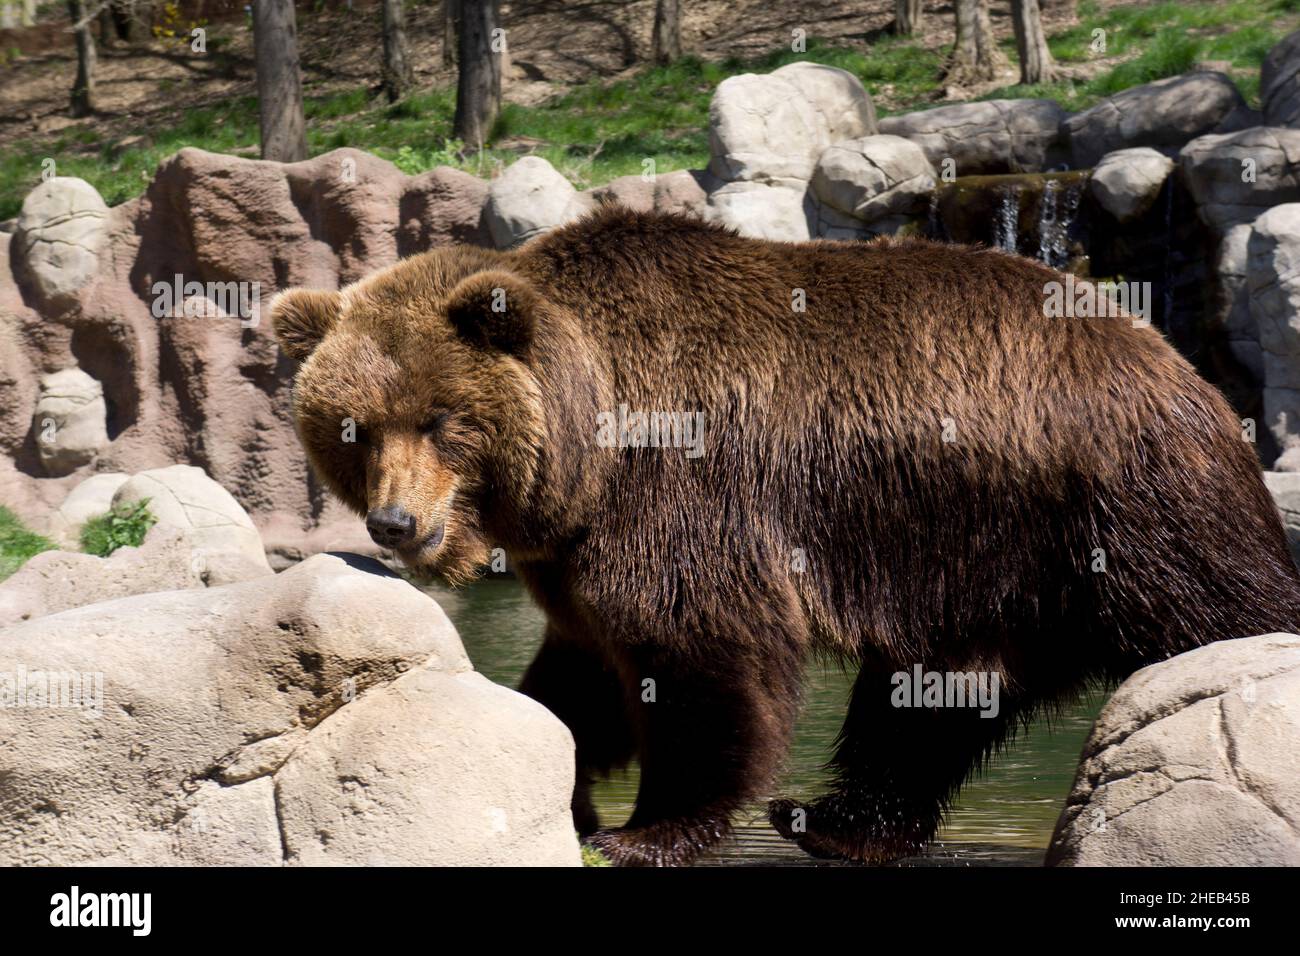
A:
<point x="1273" y="281"/>
<point x="527" y="199"/>
<point x="91" y="498"/>
<point x="874" y="177"/>
<point x="1284" y="486"/>
<point x="326" y="715"/>
<point x="184" y="497"/>
<point x="1232" y="303"/>
<point x="1166" y="113"/>
<point x="439" y="208"/>
<point x="58" y="240"/>
<point x="682" y="191"/>
<point x="1279" y="83"/>
<point x="1127" y="181"/>
<point x="70" y="421"/>
<point x="322" y="222"/>
<point x="1194" y="762"/>
<point x="445" y="768"/>
<point x="770" y="128"/>
<point x="763" y="211"/>
<point x="989" y="136"/>
<point x="1234" y="177"/>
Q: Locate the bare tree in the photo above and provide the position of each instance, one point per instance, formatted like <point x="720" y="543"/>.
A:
<point x="666" y="41"/>
<point x="450" y="15"/>
<point x="107" y="27"/>
<point x="907" y="17"/>
<point x="1036" y="63"/>
<point x="478" y="91"/>
<point x="398" y="75"/>
<point x="975" y="53"/>
<point x="279" y="81"/>
<point x="83" y="88"/>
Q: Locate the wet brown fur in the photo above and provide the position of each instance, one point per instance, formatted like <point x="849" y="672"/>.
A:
<point x="824" y="434"/>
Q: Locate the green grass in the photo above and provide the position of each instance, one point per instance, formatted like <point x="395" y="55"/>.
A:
<point x="598" y="131"/>
<point x="123" y="527"/>
<point x="17" y="544"/>
<point x="1164" y="39"/>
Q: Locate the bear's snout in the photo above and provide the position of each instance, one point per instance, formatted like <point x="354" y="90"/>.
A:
<point x="391" y="527"/>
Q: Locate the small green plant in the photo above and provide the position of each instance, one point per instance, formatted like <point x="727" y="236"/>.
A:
<point x="123" y="527"/>
<point x="17" y="544"/>
<point x="412" y="161"/>
<point x="593" y="857"/>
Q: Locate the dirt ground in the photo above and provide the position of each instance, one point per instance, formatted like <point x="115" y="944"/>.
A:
<point x="553" y="44"/>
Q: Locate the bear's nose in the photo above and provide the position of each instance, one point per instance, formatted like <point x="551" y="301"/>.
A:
<point x="391" y="527"/>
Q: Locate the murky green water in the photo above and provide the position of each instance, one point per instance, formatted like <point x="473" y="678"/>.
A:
<point x="1004" y="818"/>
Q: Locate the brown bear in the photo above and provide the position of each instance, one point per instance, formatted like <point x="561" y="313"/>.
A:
<point x="710" y="457"/>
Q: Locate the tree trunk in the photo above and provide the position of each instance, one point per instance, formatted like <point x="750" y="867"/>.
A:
<point x="1036" y="64"/>
<point x="83" y="88"/>
<point x="450" y="16"/>
<point x="975" y="54"/>
<point x="478" y="92"/>
<point x="279" y="82"/>
<point x="666" y="42"/>
<point x="907" y="17"/>
<point x="28" y="18"/>
<point x="107" y="28"/>
<point x="398" y="75"/>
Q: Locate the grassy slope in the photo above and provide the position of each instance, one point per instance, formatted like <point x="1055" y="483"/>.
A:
<point x="601" y="130"/>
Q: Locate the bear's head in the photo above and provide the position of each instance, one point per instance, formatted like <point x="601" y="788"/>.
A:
<point x="416" y="402"/>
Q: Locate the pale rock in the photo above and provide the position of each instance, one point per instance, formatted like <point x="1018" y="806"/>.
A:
<point x="1127" y="182"/>
<point x="183" y="496"/>
<point x="70" y="421"/>
<point x="1194" y="761"/>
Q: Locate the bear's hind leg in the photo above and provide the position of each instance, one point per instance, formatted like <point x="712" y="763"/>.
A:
<point x="895" y="769"/>
<point x="711" y="739"/>
<point x="580" y="687"/>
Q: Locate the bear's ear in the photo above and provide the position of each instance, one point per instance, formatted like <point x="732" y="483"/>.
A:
<point x="301" y="317"/>
<point x="496" y="309"/>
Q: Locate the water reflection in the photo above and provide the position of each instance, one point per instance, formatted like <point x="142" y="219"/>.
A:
<point x="1005" y="818"/>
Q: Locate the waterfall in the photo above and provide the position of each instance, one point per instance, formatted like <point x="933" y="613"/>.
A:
<point x="1055" y="216"/>
<point x="1006" y="228"/>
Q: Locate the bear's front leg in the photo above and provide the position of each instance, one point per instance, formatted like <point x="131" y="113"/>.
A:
<point x="577" y="684"/>
<point x="714" y="723"/>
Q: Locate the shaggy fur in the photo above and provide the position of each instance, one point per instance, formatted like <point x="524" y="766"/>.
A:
<point x="917" y="469"/>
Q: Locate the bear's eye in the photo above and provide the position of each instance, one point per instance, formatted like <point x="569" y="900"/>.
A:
<point x="436" y="423"/>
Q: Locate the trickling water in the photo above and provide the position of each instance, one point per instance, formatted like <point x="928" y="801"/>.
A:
<point x="1007" y="227"/>
<point x="1055" y="216"/>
